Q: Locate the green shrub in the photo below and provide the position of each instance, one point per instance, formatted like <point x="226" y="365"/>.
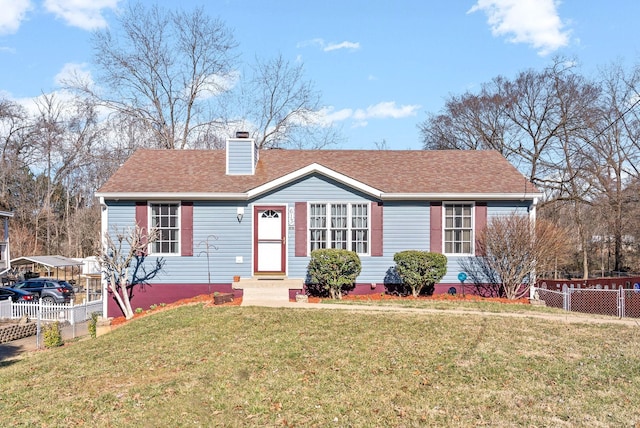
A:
<point x="92" y="325"/>
<point x="52" y="335"/>
<point x="420" y="270"/>
<point x="333" y="271"/>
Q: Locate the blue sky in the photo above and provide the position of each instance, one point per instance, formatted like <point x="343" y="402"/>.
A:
<point x="381" y="66"/>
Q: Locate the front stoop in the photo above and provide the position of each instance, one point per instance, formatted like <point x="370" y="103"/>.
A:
<point x="267" y="291"/>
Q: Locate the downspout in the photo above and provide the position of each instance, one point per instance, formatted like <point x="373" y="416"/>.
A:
<point x="532" y="223"/>
<point x="6" y="235"/>
<point x="104" y="222"/>
<point x="8" y="244"/>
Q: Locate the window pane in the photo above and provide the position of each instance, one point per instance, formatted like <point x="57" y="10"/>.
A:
<point x="164" y="217"/>
<point x="458" y="231"/>
<point x="339" y="239"/>
<point x="360" y="228"/>
<point x="339" y="216"/>
<point x="347" y="228"/>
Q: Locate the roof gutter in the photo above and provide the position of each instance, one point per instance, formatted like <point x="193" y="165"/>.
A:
<point x="459" y="196"/>
<point x="139" y="196"/>
<point x="143" y="196"/>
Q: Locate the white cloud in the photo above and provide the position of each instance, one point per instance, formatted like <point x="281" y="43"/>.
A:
<point x="328" y="47"/>
<point x="535" y="22"/>
<point x="343" y="45"/>
<point x="386" y="109"/>
<point x="383" y="110"/>
<point x="216" y="84"/>
<point x="85" y="14"/>
<point x="73" y="71"/>
<point x="13" y="13"/>
<point x="328" y="115"/>
<point x="312" y="42"/>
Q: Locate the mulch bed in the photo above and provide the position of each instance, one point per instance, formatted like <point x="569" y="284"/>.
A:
<point x="435" y="297"/>
<point x="441" y="297"/>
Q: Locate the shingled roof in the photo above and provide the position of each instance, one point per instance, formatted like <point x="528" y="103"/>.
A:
<point x="405" y="172"/>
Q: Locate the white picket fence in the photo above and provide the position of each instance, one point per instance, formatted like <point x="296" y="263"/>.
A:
<point x="73" y="313"/>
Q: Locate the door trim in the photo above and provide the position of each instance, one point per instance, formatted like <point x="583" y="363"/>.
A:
<point x="283" y="248"/>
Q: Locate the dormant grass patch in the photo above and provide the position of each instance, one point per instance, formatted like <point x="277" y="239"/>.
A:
<point x="233" y="366"/>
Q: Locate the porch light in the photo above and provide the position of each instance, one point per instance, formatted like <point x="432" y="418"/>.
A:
<point x="240" y="214"/>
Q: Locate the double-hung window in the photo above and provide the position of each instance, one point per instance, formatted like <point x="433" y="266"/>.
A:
<point x="165" y="219"/>
<point x="339" y="225"/>
<point x="458" y="228"/>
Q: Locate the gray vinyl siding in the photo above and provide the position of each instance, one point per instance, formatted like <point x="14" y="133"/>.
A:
<point x="217" y="231"/>
<point x="211" y="220"/>
<point x="501" y="208"/>
<point x="494" y="209"/>
<point x="240" y="157"/>
<point x="122" y="214"/>
<point x="313" y="188"/>
<point x="406" y="226"/>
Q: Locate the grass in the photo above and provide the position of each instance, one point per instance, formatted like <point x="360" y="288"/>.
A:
<point x="443" y="302"/>
<point x="236" y="366"/>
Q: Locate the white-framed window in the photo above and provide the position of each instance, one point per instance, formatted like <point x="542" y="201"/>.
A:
<point x="340" y="225"/>
<point x="165" y="217"/>
<point x="458" y="228"/>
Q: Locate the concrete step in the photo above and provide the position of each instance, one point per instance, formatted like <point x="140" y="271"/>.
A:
<point x="264" y="296"/>
<point x="269" y="282"/>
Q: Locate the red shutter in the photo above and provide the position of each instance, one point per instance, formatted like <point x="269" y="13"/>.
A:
<point x="142" y="219"/>
<point x="301" y="229"/>
<point x="435" y="219"/>
<point x="480" y="223"/>
<point x="141" y="215"/>
<point x="377" y="247"/>
<point x="186" y="228"/>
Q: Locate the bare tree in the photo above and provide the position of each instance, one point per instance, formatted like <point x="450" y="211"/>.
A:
<point x="541" y="122"/>
<point x="614" y="147"/>
<point x="471" y="122"/>
<point x="512" y="250"/>
<point x="63" y="134"/>
<point x="522" y="118"/>
<point x="283" y="107"/>
<point x="163" y="70"/>
<point x="122" y="256"/>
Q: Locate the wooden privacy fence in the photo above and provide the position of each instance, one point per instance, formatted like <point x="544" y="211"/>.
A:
<point x="73" y="313"/>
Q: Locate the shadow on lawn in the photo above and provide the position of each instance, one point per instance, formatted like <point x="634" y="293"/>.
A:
<point x="7" y="353"/>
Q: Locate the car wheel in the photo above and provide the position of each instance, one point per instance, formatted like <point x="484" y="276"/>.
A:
<point x="48" y="300"/>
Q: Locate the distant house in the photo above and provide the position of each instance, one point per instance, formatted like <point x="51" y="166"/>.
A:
<point x="259" y="214"/>
<point x="5" y="253"/>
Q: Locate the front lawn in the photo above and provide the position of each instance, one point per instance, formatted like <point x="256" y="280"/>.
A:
<point x="237" y="366"/>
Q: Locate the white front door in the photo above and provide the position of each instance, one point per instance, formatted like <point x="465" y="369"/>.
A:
<point x="270" y="240"/>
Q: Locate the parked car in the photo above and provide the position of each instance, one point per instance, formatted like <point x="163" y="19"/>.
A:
<point x="17" y="295"/>
<point x="50" y="290"/>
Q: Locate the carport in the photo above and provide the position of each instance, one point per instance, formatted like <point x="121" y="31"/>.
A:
<point x="49" y="263"/>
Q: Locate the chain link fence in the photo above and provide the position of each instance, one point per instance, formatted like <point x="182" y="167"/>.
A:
<point x="618" y="302"/>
